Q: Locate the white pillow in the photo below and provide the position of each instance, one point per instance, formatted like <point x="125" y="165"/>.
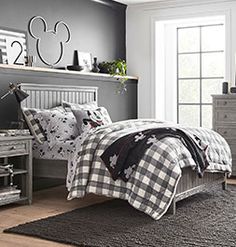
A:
<point x="88" y="106"/>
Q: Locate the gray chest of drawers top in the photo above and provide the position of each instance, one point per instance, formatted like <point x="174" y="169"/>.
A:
<point x="224" y="121"/>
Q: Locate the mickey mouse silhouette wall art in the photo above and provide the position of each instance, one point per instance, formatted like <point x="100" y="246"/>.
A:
<point x="39" y="37"/>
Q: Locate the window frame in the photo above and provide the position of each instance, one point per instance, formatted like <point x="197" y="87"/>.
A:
<point x="200" y="78"/>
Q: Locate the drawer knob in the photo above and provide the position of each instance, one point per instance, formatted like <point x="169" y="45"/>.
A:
<point x="13" y="148"/>
<point x="225" y="116"/>
<point x="225" y="132"/>
<point x="225" y="102"/>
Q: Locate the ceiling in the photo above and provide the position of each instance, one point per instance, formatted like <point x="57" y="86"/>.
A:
<point x="129" y="2"/>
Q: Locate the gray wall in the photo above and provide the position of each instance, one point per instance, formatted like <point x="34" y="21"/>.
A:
<point x="120" y="106"/>
<point x="96" y="28"/>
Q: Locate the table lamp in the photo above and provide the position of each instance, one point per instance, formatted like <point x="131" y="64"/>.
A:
<point x="19" y="94"/>
<point x="15" y="89"/>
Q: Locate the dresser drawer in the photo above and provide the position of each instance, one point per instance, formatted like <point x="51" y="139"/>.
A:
<point x="225" y="116"/>
<point x="225" y="103"/>
<point x="228" y="133"/>
<point x="13" y="148"/>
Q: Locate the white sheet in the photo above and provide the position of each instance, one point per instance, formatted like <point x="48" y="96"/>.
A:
<point x="61" y="151"/>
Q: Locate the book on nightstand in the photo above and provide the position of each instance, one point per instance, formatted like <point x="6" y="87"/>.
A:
<point x="9" y="193"/>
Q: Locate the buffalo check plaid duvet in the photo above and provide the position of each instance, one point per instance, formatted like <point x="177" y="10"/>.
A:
<point x="153" y="183"/>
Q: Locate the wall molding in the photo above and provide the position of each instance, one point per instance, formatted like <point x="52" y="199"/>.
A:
<point x="167" y="4"/>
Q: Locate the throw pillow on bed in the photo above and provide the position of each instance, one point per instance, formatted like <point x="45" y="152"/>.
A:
<point x="34" y="125"/>
<point x="88" y="119"/>
<point x="88" y="106"/>
<point x="58" y="126"/>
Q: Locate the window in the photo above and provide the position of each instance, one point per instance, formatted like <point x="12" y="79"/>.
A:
<point x="190" y="66"/>
<point x="200" y="72"/>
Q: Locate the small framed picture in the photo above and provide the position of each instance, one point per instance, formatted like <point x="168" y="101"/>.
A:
<point x="85" y="60"/>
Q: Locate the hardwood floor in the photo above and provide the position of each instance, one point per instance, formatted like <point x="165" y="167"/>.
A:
<point x="232" y="180"/>
<point x="45" y="203"/>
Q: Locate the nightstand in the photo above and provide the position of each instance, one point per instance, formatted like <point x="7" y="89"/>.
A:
<point x="17" y="150"/>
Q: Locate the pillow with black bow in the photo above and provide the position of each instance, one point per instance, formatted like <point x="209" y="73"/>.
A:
<point x="88" y="119"/>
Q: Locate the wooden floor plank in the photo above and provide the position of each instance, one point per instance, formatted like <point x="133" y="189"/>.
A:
<point x="231" y="181"/>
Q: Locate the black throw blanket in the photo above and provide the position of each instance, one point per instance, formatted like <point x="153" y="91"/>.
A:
<point x="122" y="156"/>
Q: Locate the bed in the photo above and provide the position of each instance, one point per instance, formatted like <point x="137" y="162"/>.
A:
<point x="47" y="96"/>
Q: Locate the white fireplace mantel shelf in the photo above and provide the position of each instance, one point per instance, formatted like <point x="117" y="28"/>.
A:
<point x="40" y="71"/>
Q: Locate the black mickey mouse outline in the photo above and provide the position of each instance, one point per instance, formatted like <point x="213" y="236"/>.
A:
<point x="54" y="31"/>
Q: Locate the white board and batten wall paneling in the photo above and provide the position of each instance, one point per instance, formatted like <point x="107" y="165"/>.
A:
<point x="140" y="38"/>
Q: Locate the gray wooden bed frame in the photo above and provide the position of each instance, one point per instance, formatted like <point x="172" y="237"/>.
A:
<point x="47" y="96"/>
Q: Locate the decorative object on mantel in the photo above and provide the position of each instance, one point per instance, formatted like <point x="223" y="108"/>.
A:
<point x="95" y="68"/>
<point x="30" y="60"/>
<point x="13" y="46"/>
<point x="104" y="67"/>
<point x="119" y="67"/>
<point x="233" y="90"/>
<point x="52" y="32"/>
<point x="85" y="60"/>
<point x="225" y="87"/>
<point x="75" y="67"/>
<point x="114" y="68"/>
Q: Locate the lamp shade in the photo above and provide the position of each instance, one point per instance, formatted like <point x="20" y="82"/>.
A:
<point x="20" y="95"/>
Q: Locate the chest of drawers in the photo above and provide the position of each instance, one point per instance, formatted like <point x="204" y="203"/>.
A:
<point x="224" y="121"/>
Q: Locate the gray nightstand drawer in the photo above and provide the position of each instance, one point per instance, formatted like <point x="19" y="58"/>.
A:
<point x="225" y="103"/>
<point x="13" y="148"/>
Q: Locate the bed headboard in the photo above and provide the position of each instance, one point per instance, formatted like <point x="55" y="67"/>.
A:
<point x="47" y="96"/>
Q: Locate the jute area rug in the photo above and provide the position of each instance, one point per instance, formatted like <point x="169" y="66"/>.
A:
<point x="207" y="219"/>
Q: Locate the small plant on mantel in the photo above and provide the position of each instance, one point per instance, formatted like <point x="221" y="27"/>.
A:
<point x="116" y="68"/>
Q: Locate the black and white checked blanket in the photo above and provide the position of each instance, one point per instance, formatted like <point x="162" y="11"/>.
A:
<point x="153" y="183"/>
<point x="123" y="155"/>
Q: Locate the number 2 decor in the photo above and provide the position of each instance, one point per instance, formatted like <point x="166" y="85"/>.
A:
<point x="48" y="34"/>
<point x="13" y="46"/>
